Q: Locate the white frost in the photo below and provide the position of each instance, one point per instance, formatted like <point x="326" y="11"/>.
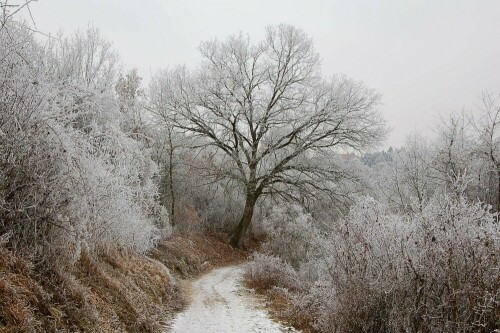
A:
<point x="221" y="304"/>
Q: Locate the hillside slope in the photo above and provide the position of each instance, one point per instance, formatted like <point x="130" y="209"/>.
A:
<point x="114" y="293"/>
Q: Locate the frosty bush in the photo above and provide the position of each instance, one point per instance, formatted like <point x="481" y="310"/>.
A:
<point x="71" y="179"/>
<point x="436" y="271"/>
<point x="267" y="271"/>
<point x="292" y="235"/>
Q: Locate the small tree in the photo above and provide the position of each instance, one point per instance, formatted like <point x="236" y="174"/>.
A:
<point x="407" y="182"/>
<point x="487" y="127"/>
<point x="273" y="121"/>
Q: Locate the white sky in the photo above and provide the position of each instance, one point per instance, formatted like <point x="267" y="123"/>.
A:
<point x="427" y="58"/>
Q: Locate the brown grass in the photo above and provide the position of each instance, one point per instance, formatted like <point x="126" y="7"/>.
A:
<point x="280" y="308"/>
<point x="192" y="255"/>
<point x="113" y="293"/>
<point x="19" y="294"/>
<point x="136" y="294"/>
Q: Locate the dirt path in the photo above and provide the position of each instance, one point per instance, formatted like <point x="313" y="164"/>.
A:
<point x="221" y="304"/>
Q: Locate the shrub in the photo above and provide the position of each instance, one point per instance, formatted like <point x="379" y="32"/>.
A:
<point x="436" y="271"/>
<point x="267" y="271"/>
<point x="291" y="235"/>
<point x="71" y="179"/>
<point x="433" y="271"/>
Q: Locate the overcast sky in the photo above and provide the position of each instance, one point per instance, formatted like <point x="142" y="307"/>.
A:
<point x="427" y="58"/>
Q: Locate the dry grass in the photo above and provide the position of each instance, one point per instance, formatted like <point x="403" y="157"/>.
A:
<point x="280" y="308"/>
<point x="130" y="294"/>
<point x="113" y="293"/>
<point x="192" y="255"/>
<point x="19" y="294"/>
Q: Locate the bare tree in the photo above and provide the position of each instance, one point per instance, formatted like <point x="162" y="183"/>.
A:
<point x="452" y="154"/>
<point x="86" y="57"/>
<point x="272" y="119"/>
<point x="9" y="10"/>
<point x="487" y="127"/>
<point x="408" y="181"/>
<point x="169" y="143"/>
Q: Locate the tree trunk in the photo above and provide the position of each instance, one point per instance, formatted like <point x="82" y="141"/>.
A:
<point x="171" y="183"/>
<point x="498" y="189"/>
<point x="246" y="220"/>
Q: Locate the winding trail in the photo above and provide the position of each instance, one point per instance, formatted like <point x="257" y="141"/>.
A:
<point x="221" y="304"/>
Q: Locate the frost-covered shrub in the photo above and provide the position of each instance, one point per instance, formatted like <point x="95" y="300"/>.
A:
<point x="291" y="235"/>
<point x="293" y="252"/>
<point x="452" y="264"/>
<point x="355" y="288"/>
<point x="290" y="252"/>
<point x="71" y="179"/>
<point x="266" y="271"/>
<point x="435" y="272"/>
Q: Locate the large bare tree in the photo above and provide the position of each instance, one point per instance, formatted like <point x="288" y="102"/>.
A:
<point x="275" y="121"/>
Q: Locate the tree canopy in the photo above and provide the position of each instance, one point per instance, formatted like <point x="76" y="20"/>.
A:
<point x="272" y="117"/>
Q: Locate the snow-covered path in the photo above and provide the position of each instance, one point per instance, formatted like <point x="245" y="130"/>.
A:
<point x="221" y="304"/>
